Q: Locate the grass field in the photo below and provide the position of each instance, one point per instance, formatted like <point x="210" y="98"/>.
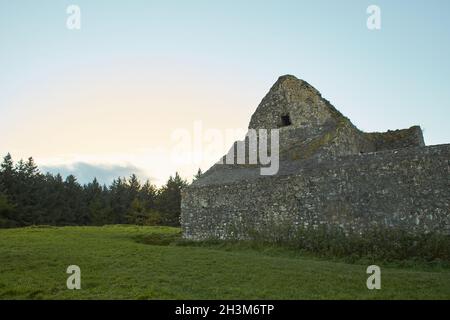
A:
<point x="130" y="262"/>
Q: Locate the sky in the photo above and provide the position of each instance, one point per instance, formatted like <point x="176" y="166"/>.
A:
<point x="114" y="96"/>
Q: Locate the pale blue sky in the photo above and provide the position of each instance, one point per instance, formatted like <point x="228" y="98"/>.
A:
<point x="161" y="65"/>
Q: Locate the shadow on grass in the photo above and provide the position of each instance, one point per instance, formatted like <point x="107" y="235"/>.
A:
<point x="327" y="251"/>
<point x="158" y="239"/>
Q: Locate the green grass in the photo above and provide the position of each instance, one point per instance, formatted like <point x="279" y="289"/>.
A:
<point x="130" y="262"/>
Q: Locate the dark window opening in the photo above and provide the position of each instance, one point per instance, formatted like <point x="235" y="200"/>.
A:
<point x="285" y="120"/>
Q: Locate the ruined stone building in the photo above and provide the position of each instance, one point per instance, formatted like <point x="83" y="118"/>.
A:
<point x="330" y="173"/>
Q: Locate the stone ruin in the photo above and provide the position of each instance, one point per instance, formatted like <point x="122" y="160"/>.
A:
<point x="330" y="173"/>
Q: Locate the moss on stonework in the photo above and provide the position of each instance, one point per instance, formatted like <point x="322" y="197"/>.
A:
<point x="389" y="136"/>
<point x="312" y="147"/>
<point x="396" y="139"/>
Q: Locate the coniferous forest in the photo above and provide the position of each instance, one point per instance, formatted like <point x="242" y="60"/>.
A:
<point x="29" y="197"/>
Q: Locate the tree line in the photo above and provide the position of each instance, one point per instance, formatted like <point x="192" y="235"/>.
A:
<point x="29" y="197"/>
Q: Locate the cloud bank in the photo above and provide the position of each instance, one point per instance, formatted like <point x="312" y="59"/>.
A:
<point x="86" y="172"/>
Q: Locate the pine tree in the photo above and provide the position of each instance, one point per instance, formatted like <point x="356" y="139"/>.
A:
<point x="137" y="213"/>
<point x="7" y="165"/>
<point x="134" y="184"/>
<point x="7" y="174"/>
<point x="95" y="203"/>
<point x="198" y="175"/>
<point x="31" y="169"/>
<point x="169" y="202"/>
<point x="148" y="195"/>
<point x="75" y="210"/>
<point x="7" y="217"/>
<point x="119" y="200"/>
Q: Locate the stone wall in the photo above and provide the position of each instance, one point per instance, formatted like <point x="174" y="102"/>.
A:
<point x="407" y="188"/>
<point x="396" y="139"/>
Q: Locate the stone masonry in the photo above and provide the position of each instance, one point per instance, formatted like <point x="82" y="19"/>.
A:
<point x="330" y="173"/>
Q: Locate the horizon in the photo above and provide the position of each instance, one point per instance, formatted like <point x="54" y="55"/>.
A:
<point x="107" y="99"/>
